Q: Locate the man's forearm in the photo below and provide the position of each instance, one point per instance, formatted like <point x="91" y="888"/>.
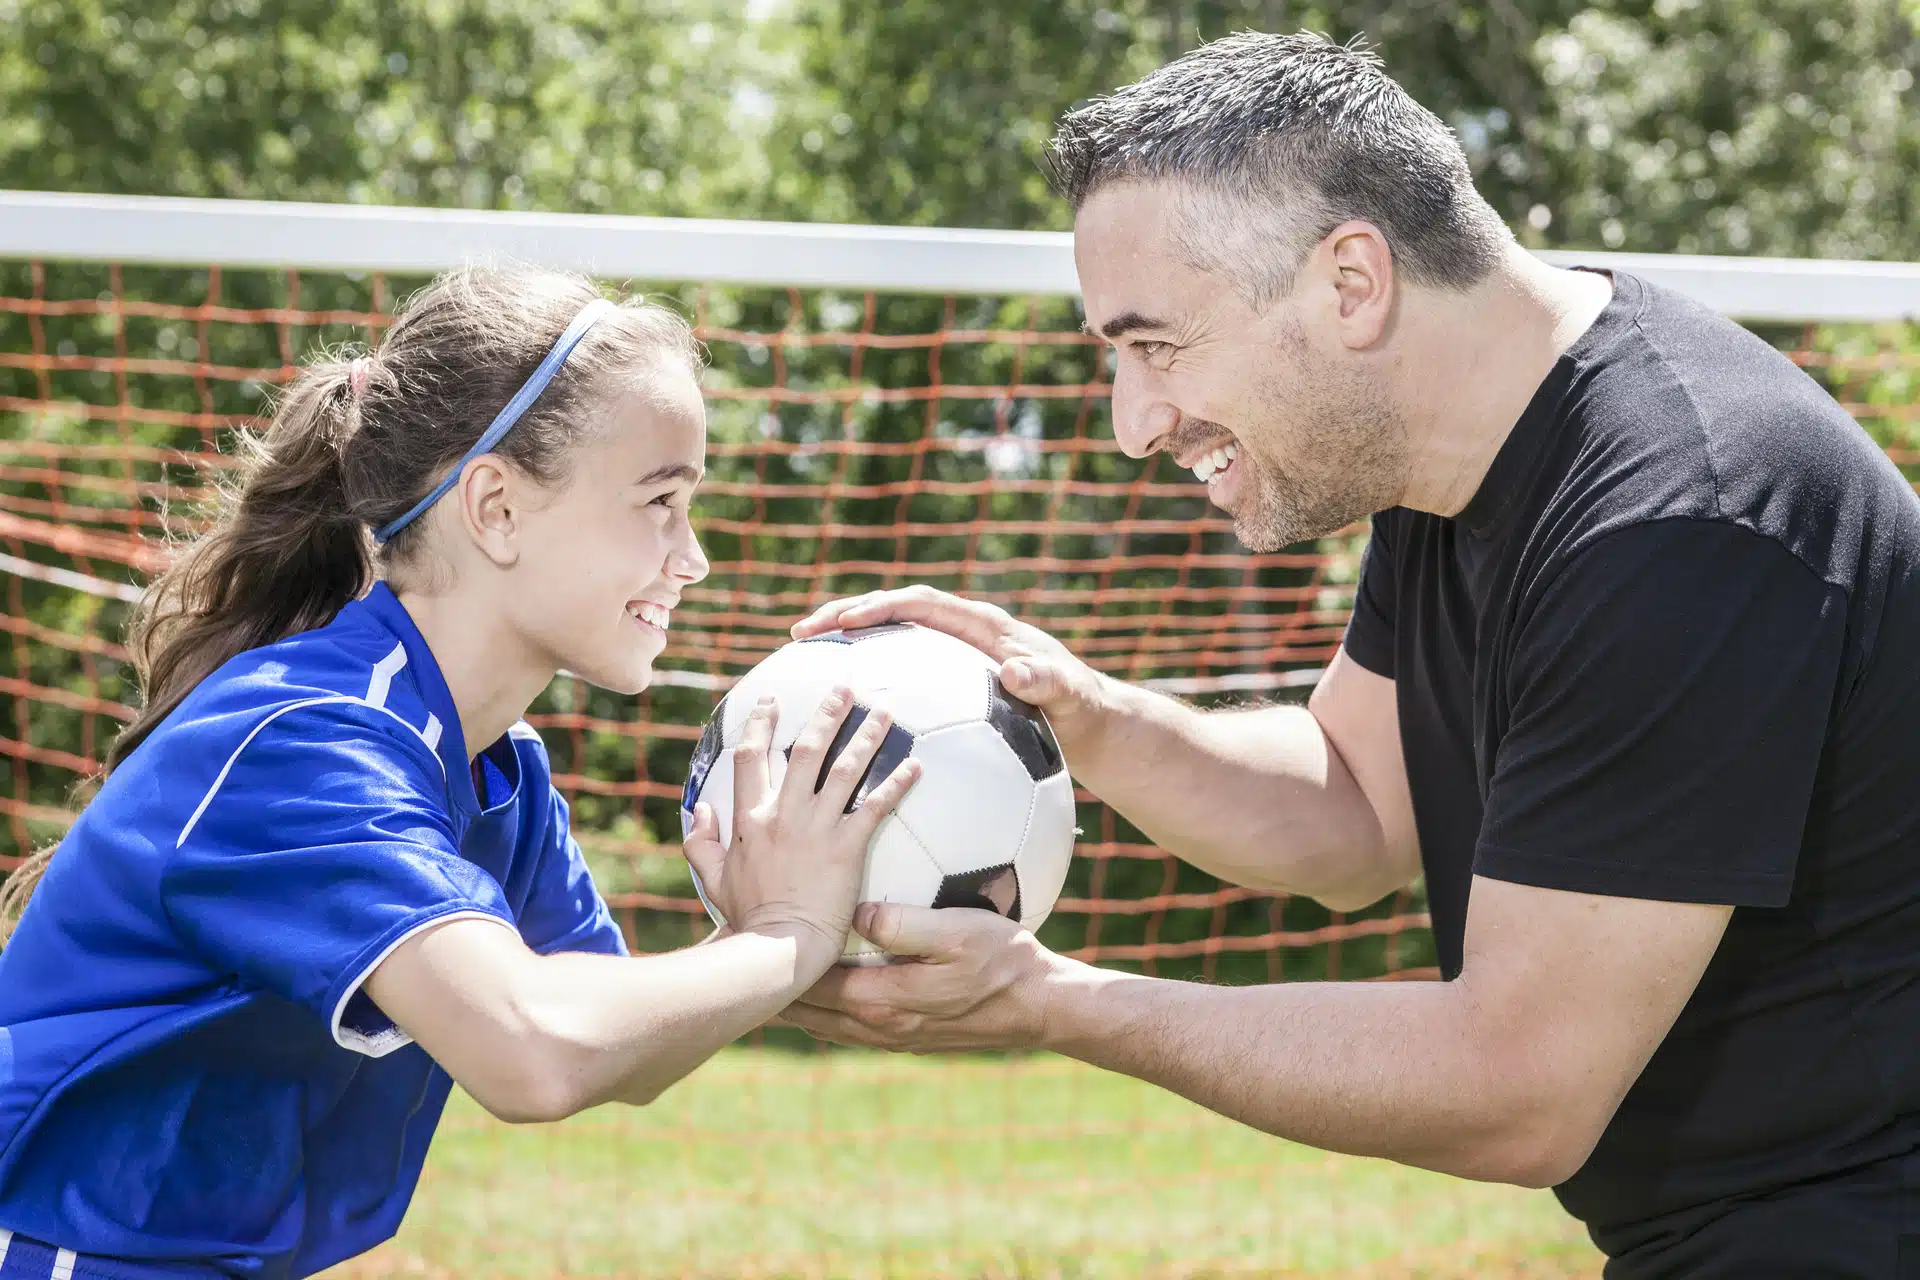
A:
<point x="1259" y="798"/>
<point x="1395" y="1070"/>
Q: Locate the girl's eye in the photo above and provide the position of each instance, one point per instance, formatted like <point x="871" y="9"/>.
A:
<point x="664" y="500"/>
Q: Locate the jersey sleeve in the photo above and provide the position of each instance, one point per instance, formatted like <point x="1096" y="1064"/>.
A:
<point x="565" y="912"/>
<point x="1669" y="695"/>
<point x="1369" y="638"/>
<point x="322" y="846"/>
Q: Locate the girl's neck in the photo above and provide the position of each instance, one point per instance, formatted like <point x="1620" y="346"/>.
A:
<point x="489" y="671"/>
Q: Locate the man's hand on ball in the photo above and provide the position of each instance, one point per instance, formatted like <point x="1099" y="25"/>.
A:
<point x="1033" y="665"/>
<point x="964" y="979"/>
<point x="797" y="857"/>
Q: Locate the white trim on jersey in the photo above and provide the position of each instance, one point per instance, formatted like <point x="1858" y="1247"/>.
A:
<point x="227" y="768"/>
<point x="383" y="673"/>
<point x="432" y="732"/>
<point x="64" y="1260"/>
<point x="385" y="1042"/>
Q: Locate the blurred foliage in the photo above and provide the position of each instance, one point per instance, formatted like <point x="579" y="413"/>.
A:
<point x="1700" y="126"/>
<point x="1783" y="127"/>
<point x="641" y="106"/>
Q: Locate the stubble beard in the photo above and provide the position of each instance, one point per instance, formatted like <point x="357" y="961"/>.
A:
<point x="1349" y="460"/>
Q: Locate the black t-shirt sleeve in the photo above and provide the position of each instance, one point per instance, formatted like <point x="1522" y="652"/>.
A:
<point x="1668" y="693"/>
<point x="1369" y="638"/>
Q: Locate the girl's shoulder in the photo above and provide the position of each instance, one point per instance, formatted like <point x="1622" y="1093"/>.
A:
<point x="338" y="689"/>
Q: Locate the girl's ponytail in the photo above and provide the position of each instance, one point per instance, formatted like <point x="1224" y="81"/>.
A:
<point x="354" y="445"/>
<point x="285" y="553"/>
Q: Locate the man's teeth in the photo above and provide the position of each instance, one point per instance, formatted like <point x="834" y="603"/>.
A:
<point x="1215" y="462"/>
<point x="652" y="614"/>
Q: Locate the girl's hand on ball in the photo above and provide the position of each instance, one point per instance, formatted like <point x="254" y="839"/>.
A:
<point x="1033" y="665"/>
<point x="798" y="856"/>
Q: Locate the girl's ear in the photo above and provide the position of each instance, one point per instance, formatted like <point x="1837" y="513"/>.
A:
<point x="490" y="502"/>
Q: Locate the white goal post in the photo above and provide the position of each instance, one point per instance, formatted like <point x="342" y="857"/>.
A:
<point x="162" y="230"/>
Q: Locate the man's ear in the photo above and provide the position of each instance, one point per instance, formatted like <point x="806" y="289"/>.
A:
<point x="1353" y="266"/>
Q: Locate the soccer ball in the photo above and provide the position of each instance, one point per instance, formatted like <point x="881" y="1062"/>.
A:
<point x="989" y="824"/>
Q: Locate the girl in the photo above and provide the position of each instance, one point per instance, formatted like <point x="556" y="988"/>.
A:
<point x="327" y="875"/>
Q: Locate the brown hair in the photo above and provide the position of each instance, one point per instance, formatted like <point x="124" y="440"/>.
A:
<point x="354" y="444"/>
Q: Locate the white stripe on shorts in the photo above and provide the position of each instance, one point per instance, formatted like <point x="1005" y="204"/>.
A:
<point x="6" y="1243"/>
<point x="63" y="1260"/>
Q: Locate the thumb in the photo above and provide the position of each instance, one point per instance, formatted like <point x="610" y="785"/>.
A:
<point x="917" y="932"/>
<point x="1042" y="682"/>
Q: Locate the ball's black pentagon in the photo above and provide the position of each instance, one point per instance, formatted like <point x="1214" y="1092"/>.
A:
<point x="894" y="748"/>
<point x="995" y="889"/>
<point x="705" y="752"/>
<point x="1024" y="729"/>
<point x="858" y="634"/>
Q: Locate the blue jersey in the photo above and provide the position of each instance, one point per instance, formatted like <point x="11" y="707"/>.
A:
<point x="191" y="1080"/>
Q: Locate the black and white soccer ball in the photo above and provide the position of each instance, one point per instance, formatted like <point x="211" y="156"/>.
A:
<point x="989" y="824"/>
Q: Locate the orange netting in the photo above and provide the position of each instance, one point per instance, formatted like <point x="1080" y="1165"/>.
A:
<point x="857" y="441"/>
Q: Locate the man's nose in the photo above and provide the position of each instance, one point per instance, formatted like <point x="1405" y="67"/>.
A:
<point x="1141" y="419"/>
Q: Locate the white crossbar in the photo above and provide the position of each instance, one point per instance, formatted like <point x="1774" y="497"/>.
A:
<point x="252" y="233"/>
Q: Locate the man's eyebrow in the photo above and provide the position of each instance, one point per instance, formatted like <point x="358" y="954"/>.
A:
<point x="1124" y="323"/>
<point x="672" y="471"/>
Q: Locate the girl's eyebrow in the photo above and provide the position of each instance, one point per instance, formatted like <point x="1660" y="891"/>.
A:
<point x="672" y="471"/>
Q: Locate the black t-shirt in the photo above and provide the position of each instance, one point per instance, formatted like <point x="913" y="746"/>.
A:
<point x="1671" y="650"/>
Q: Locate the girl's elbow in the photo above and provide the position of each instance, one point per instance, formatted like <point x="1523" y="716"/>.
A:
<point x="528" y="1087"/>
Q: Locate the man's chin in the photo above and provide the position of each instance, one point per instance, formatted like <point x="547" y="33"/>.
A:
<point x="1261" y="536"/>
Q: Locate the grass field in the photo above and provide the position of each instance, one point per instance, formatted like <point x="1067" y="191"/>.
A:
<point x="774" y="1163"/>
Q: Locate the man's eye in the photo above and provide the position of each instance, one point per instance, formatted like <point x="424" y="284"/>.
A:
<point x="1150" y="350"/>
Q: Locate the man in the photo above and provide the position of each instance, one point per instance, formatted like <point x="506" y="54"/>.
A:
<point x="1633" y="679"/>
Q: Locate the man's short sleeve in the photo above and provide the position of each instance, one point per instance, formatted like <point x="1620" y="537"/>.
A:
<point x="1369" y="638"/>
<point x="565" y="912"/>
<point x="323" y="846"/>
<point x="1668" y="698"/>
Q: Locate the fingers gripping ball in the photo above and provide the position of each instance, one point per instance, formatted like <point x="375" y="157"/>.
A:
<point x="990" y="823"/>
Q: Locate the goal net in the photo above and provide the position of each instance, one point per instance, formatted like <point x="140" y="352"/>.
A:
<point x="887" y="406"/>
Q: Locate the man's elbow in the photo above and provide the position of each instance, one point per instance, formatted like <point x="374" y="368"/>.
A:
<point x="1539" y="1145"/>
<point x="1541" y="1161"/>
<point x="1354" y="884"/>
<point x="1356" y="896"/>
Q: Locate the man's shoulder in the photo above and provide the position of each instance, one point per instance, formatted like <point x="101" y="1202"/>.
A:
<point x="1686" y="390"/>
<point x="1686" y="416"/>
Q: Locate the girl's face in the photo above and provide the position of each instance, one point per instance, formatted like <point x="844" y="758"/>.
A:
<point x="604" y="558"/>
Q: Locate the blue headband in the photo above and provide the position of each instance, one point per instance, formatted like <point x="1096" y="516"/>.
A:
<point x="503" y="421"/>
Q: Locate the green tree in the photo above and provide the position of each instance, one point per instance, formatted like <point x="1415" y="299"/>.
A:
<point x="1658" y="125"/>
<point x="629" y="108"/>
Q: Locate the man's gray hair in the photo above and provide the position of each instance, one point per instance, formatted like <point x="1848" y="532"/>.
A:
<point x="1278" y="140"/>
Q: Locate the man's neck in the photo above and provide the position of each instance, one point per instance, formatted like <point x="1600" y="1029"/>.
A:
<point x="1474" y="363"/>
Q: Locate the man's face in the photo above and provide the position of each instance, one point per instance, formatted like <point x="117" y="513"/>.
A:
<point x="1301" y="422"/>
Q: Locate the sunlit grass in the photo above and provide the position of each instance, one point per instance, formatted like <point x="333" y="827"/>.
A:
<point x="772" y="1163"/>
